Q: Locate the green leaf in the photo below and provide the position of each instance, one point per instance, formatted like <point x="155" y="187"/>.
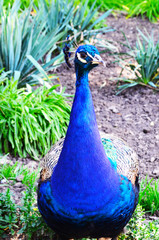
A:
<point x="152" y="84"/>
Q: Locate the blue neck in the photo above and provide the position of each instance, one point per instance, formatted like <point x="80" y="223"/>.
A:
<point x="83" y="167"/>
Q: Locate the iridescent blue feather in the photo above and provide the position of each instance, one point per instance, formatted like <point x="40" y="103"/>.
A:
<point x="88" y="184"/>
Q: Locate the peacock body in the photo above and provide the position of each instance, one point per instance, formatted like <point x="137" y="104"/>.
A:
<point x="91" y="189"/>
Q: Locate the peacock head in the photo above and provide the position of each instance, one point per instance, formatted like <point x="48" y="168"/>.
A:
<point x="87" y="57"/>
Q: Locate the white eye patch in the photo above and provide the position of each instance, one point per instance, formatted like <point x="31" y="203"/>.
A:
<point x="89" y="55"/>
<point x="81" y="59"/>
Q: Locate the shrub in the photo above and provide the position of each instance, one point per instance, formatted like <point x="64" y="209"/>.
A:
<point x="30" y="121"/>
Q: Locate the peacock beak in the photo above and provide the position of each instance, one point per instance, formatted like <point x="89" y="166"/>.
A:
<point x="98" y="60"/>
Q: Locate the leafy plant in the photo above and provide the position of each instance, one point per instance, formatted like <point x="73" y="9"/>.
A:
<point x="31" y="221"/>
<point x="138" y="229"/>
<point x="149" y="195"/>
<point x="114" y="4"/>
<point x="144" y="63"/>
<point x="81" y="20"/>
<point x="24" y="40"/>
<point x="30" y="121"/>
<point x="23" y="219"/>
<point x="8" y="171"/>
<point x="8" y="213"/>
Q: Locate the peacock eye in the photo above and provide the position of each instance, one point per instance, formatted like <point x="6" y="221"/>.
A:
<point x="83" y="55"/>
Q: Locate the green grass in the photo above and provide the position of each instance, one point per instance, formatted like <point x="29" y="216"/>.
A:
<point x="149" y="195"/>
<point x="31" y="121"/>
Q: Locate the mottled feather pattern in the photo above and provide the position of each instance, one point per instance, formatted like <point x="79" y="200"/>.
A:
<point x="122" y="157"/>
<point x="49" y="161"/>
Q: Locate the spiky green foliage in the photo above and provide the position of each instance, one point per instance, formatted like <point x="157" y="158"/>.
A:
<point x="144" y="63"/>
<point x="30" y="121"/>
<point x="23" y="35"/>
<point x="80" y="20"/>
<point x="57" y="13"/>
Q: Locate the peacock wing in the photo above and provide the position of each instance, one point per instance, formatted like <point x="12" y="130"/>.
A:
<point x="121" y="156"/>
<point x="49" y="161"/>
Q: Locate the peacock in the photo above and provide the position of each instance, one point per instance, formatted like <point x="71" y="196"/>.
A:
<point x="89" y="182"/>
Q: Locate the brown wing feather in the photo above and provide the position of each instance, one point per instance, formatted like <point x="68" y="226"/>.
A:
<point x="126" y="159"/>
<point x="49" y="161"/>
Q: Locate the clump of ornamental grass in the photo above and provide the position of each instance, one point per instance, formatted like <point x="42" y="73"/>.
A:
<point x="31" y="121"/>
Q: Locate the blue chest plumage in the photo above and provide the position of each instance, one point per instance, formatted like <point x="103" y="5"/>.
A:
<point x="107" y="221"/>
